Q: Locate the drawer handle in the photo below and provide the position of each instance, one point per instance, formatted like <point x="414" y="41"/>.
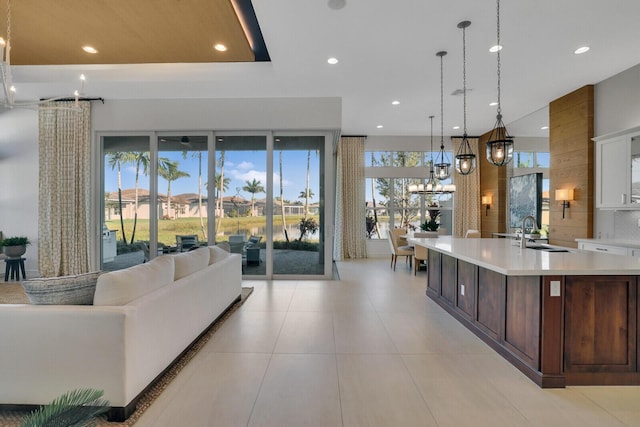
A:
<point x="602" y="249"/>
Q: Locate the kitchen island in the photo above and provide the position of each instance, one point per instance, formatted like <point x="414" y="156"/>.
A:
<point x="561" y="316"/>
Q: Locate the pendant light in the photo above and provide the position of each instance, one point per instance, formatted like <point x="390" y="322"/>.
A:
<point x="442" y="167"/>
<point x="500" y="143"/>
<point x="433" y="186"/>
<point x="465" y="159"/>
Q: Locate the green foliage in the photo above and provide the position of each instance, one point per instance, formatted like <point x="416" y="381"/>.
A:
<point x="296" y="245"/>
<point x="308" y="225"/>
<point x="77" y="408"/>
<point x="15" y="241"/>
<point x="430" y="225"/>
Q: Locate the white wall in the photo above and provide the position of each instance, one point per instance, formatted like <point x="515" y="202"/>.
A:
<point x="617" y="108"/>
<point x="218" y="114"/>
<point x="19" y="180"/>
<point x="19" y="140"/>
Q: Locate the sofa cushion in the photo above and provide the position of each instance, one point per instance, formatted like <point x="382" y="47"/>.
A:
<point x="71" y="290"/>
<point x="190" y="262"/>
<point x="123" y="286"/>
<point x="216" y="253"/>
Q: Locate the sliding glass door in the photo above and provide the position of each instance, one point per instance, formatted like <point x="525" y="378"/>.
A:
<point x="261" y="195"/>
<point x="182" y="192"/>
<point x="298" y="214"/>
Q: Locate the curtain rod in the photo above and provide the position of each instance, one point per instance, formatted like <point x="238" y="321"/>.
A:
<point x="73" y="99"/>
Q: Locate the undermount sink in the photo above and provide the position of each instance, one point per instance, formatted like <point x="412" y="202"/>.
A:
<point x="540" y="248"/>
<point x="546" y="248"/>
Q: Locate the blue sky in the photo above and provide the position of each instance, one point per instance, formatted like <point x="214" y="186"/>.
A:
<point x="240" y="166"/>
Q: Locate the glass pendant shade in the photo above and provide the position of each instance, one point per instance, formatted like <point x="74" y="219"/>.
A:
<point x="442" y="170"/>
<point x="500" y="144"/>
<point x="465" y="159"/>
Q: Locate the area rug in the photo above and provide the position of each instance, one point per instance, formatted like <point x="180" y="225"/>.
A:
<point x="13" y="418"/>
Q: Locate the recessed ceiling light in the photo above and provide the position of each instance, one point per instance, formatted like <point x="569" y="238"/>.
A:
<point x="544" y="127"/>
<point x="89" y="49"/>
<point x="395" y="102"/>
<point x="494" y="49"/>
<point x="582" y="49"/>
<point x="379" y="126"/>
<point x="336" y="4"/>
<point x="493" y="104"/>
<point x="220" y="47"/>
<point x="332" y="61"/>
<point x="456" y="127"/>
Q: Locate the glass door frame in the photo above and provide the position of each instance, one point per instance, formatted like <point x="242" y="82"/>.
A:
<point x="328" y="177"/>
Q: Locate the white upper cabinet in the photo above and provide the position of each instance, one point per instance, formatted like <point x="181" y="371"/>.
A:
<point x="618" y="170"/>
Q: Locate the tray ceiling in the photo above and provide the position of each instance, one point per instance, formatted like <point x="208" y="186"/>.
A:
<point x="46" y="32"/>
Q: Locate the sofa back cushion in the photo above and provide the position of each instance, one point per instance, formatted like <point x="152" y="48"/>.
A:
<point x="77" y="289"/>
<point x="216" y="253"/>
<point x="123" y="286"/>
<point x="190" y="262"/>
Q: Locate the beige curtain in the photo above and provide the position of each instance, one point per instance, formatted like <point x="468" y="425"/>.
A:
<point x="466" y="199"/>
<point x="64" y="201"/>
<point x="350" y="235"/>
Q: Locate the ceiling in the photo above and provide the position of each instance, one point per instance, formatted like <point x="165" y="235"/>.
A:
<point x="386" y="51"/>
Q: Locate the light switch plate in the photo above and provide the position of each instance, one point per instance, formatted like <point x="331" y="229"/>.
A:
<point x="462" y="289"/>
<point x="555" y="288"/>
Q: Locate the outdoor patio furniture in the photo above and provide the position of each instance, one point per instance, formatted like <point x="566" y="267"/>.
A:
<point x="236" y="243"/>
<point x="186" y="242"/>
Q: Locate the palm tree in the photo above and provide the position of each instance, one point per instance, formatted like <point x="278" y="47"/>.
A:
<point x="253" y="188"/>
<point x="221" y="185"/>
<point x="171" y="173"/>
<point x="139" y="158"/>
<point x="198" y="155"/>
<point x="115" y="160"/>
<point x="284" y="218"/>
<point x="306" y="194"/>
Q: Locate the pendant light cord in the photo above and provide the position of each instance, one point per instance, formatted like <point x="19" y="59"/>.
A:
<point x="464" y="78"/>
<point x="499" y="49"/>
<point x="441" y="103"/>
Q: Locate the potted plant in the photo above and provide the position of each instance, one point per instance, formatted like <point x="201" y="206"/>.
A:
<point x="432" y="224"/>
<point x="14" y="247"/>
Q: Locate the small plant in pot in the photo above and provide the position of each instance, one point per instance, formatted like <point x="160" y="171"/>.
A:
<point x="14" y="247"/>
<point x="432" y="223"/>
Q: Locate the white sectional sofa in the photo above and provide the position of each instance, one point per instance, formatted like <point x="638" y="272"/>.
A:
<point x="143" y="318"/>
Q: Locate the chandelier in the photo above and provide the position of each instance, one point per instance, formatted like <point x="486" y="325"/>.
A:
<point x="433" y="186"/>
<point x="500" y="143"/>
<point x="443" y="166"/>
<point x="8" y="93"/>
<point x="465" y="159"/>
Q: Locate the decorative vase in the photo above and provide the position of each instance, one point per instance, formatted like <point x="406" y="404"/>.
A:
<point x="14" y="251"/>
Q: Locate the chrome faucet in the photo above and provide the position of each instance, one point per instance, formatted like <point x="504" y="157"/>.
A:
<point x="523" y="240"/>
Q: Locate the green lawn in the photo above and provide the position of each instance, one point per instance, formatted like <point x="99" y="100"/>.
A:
<point x="167" y="229"/>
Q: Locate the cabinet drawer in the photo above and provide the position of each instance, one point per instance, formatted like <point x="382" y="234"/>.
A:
<point x="607" y="249"/>
<point x="634" y="252"/>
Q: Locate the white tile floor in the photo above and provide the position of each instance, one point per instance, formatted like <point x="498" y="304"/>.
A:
<point x="368" y="350"/>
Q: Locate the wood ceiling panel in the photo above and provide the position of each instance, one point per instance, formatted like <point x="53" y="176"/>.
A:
<point x="46" y="32"/>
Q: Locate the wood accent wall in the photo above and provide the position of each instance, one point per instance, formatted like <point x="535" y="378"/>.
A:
<point x="572" y="166"/>
<point x="493" y="182"/>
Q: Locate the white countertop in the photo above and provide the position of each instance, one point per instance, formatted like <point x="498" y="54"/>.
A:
<point x="613" y="242"/>
<point x="505" y="256"/>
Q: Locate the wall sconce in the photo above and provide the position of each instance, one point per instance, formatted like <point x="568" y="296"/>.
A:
<point x="486" y="202"/>
<point x="564" y="195"/>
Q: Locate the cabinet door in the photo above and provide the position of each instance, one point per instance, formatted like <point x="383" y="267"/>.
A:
<point x="634" y="199"/>
<point x="612" y="170"/>
<point x="607" y="249"/>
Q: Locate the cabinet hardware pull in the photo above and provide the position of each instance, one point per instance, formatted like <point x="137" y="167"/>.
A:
<point x="602" y="249"/>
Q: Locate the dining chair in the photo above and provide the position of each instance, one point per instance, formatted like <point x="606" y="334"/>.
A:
<point x="420" y="255"/>
<point x="472" y="234"/>
<point x="396" y="251"/>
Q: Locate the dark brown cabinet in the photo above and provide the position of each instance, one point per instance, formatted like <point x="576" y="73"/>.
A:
<point x="558" y="330"/>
